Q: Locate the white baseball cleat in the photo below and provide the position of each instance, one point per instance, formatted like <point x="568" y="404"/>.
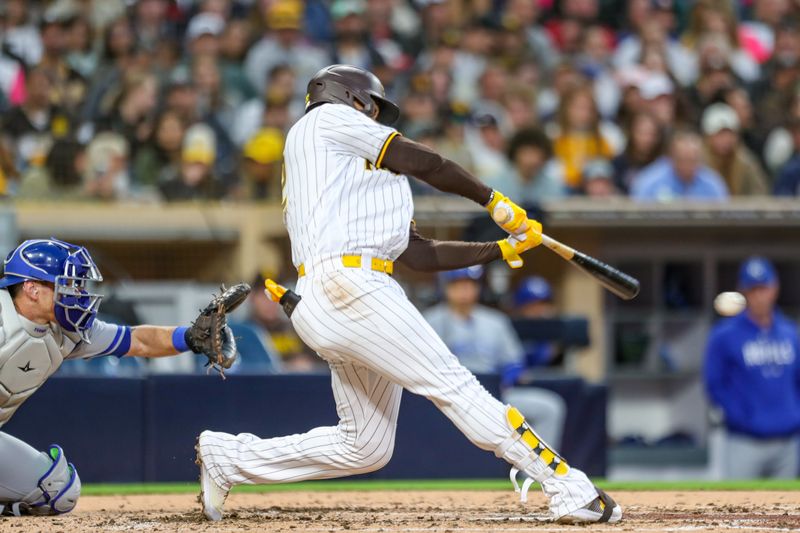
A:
<point x="212" y="496"/>
<point x="601" y="509"/>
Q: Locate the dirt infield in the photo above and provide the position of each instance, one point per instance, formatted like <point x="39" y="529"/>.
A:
<point x="419" y="511"/>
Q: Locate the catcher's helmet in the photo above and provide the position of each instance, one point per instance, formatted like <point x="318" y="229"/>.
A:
<point x="69" y="268"/>
<point x="344" y="84"/>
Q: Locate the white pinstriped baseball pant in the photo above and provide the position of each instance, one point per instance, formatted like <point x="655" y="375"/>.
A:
<point x="377" y="343"/>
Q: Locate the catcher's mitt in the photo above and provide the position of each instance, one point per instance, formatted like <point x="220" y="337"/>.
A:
<point x="210" y="334"/>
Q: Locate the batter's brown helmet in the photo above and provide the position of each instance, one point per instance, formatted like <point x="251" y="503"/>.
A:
<point x="344" y="84"/>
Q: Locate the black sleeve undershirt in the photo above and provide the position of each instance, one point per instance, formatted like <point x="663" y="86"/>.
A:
<point x="428" y="255"/>
<point x="404" y="156"/>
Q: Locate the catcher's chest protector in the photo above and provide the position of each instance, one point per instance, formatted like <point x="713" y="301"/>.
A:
<point x="29" y="354"/>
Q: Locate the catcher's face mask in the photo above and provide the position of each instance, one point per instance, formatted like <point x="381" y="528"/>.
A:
<point x="72" y="272"/>
<point x="76" y="304"/>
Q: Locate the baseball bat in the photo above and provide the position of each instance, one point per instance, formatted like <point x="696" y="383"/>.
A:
<point x="618" y="282"/>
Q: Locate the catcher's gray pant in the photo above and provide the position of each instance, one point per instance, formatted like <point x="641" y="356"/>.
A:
<point x="750" y="458"/>
<point x="377" y="343"/>
<point x="21" y="466"/>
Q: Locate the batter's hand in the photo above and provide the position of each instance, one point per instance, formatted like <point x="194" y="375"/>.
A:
<point x="515" y="245"/>
<point x="507" y="214"/>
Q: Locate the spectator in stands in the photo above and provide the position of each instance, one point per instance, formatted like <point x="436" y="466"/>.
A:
<point x="657" y="93"/>
<point x="680" y="175"/>
<point x="486" y="142"/>
<point x="222" y="84"/>
<point x="533" y="175"/>
<point x="787" y="182"/>
<point x="196" y="179"/>
<point x="715" y="76"/>
<point x="725" y="154"/>
<point x="215" y="103"/>
<point x="153" y="25"/>
<point x="776" y="90"/>
<point x="81" y="55"/>
<point x="579" y="136"/>
<point x="234" y="41"/>
<point x="284" y="44"/>
<point x="653" y="33"/>
<point x="22" y="39"/>
<point x="485" y="342"/>
<point x="598" y="179"/>
<point x="712" y="23"/>
<point x="533" y="299"/>
<point x="7" y="172"/>
<point x="263" y="155"/>
<point x="133" y="113"/>
<point x="69" y="87"/>
<point x="160" y="158"/>
<point x="646" y="140"/>
<point x="29" y="130"/>
<point x="252" y="115"/>
<point x="519" y="104"/>
<point x="526" y="15"/>
<point x="419" y="112"/>
<point x="752" y="373"/>
<point x="106" y="174"/>
<point x="117" y="58"/>
<point x="203" y="35"/>
<point x="739" y="99"/>
<point x="761" y="29"/>
<point x="452" y="143"/>
<point x="351" y="44"/>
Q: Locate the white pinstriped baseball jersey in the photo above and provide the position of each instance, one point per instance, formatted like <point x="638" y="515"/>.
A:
<point x="361" y="322"/>
<point x="336" y="198"/>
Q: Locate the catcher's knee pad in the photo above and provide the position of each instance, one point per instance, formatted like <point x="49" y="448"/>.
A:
<point x="57" y="490"/>
<point x="542" y="461"/>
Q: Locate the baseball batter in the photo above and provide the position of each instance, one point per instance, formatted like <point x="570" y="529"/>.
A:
<point x="48" y="315"/>
<point x="348" y="211"/>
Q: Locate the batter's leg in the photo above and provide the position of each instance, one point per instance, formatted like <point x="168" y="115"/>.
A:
<point x="363" y="441"/>
<point x="21" y="467"/>
<point x="544" y="409"/>
<point x="371" y="319"/>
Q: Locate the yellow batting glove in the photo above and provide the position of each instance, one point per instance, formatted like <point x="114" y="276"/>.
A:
<point x="274" y="290"/>
<point x="510" y="254"/>
<point x="506" y="213"/>
<point x="530" y="238"/>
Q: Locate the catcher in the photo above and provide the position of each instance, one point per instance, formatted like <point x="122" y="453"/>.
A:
<point x="48" y="315"/>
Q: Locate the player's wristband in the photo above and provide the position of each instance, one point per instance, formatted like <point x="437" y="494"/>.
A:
<point x="179" y="339"/>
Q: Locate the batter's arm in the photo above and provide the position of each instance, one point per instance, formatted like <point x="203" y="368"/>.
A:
<point x="429" y="255"/>
<point x="404" y="156"/>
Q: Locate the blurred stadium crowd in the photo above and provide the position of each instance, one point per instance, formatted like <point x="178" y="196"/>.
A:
<point x="190" y="99"/>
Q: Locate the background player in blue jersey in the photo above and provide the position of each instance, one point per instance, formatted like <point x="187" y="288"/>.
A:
<point x="752" y="373"/>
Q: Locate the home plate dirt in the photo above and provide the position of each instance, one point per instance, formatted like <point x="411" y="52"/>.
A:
<point x="417" y="511"/>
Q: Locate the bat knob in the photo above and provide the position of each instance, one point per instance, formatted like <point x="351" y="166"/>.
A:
<point x="502" y="214"/>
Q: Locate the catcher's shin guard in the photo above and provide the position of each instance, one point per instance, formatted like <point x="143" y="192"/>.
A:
<point x="56" y="492"/>
<point x="539" y="463"/>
